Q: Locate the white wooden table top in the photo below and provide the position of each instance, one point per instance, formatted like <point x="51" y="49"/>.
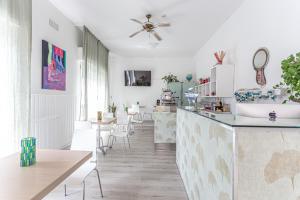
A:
<point x="35" y="182"/>
<point x="105" y="121"/>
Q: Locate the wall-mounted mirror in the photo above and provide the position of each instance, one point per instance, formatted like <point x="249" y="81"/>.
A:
<point x="260" y="61"/>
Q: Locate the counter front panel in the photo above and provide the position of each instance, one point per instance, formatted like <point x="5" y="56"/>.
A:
<point x="204" y="155"/>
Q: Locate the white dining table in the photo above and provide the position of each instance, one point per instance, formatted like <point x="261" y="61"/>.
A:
<point x="36" y="181"/>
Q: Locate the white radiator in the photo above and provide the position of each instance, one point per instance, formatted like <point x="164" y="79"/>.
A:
<point x="52" y="120"/>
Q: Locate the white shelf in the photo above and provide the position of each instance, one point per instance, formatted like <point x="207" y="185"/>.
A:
<point x="222" y="83"/>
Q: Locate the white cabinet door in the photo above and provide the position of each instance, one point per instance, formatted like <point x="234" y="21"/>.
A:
<point x="224" y="80"/>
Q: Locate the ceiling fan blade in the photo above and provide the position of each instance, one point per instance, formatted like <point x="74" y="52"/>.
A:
<point x="137" y="21"/>
<point x="134" y="34"/>
<point x="164" y="25"/>
<point x="156" y="35"/>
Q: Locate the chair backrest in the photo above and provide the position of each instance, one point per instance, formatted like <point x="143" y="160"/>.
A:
<point x="82" y="125"/>
<point x="122" y="118"/>
<point x="108" y="115"/>
<point x="135" y="108"/>
<point x="85" y="140"/>
<point x="123" y="122"/>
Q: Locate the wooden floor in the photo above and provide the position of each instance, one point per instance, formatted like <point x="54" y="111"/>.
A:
<point x="140" y="173"/>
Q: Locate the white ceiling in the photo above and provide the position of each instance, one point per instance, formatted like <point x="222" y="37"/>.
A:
<point x="193" y="23"/>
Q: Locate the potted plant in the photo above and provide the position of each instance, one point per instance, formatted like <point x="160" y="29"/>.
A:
<point x="125" y="108"/>
<point x="112" y="108"/>
<point x="170" y="78"/>
<point x="290" y="83"/>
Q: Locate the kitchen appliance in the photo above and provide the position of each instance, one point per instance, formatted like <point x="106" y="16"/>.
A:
<point x="167" y="97"/>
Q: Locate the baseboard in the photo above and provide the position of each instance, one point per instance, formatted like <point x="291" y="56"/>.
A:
<point x="165" y="146"/>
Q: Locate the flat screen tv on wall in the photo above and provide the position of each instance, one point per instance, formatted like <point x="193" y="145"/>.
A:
<point x="137" y="78"/>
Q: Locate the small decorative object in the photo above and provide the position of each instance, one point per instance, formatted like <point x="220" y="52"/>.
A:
<point x="112" y="109"/>
<point x="200" y="80"/>
<point x="99" y="116"/>
<point x="170" y="78"/>
<point x="158" y="102"/>
<point x="260" y="61"/>
<point x="272" y="116"/>
<point x="204" y="80"/>
<point x="219" y="56"/>
<point x="28" y="152"/>
<point x="291" y="76"/>
<point x="253" y="95"/>
<point x="125" y="108"/>
<point x="54" y="67"/>
<point x="189" y="77"/>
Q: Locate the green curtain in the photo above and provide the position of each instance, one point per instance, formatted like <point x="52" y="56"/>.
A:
<point x="94" y="77"/>
<point x="103" y="93"/>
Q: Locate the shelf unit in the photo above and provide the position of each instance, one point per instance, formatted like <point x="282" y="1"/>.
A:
<point x="221" y="83"/>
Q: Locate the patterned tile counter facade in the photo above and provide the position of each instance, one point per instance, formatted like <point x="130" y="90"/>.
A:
<point x="164" y="127"/>
<point x="204" y="155"/>
<point x="220" y="162"/>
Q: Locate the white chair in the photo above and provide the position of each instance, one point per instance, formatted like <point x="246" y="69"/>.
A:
<point x="84" y="140"/>
<point x="122" y="129"/>
<point x="147" y="112"/>
<point x="137" y="118"/>
<point x="104" y="133"/>
<point x="136" y="109"/>
<point x="83" y="125"/>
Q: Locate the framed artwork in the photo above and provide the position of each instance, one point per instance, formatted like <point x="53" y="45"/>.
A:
<point x="54" y="67"/>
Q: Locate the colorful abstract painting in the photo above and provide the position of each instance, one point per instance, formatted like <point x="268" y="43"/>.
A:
<point x="54" y="67"/>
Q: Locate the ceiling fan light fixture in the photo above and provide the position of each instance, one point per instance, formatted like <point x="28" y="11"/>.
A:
<point x="149" y="27"/>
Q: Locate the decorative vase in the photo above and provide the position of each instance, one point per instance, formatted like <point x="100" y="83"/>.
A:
<point x="189" y="77"/>
<point x="28" y="152"/>
<point x="99" y="116"/>
<point x="219" y="57"/>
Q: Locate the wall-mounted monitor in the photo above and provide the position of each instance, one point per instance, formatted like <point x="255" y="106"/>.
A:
<point x="137" y="78"/>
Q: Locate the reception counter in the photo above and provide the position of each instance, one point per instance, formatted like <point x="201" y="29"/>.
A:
<point x="226" y="157"/>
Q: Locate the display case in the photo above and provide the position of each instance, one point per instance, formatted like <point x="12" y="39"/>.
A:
<point x="178" y="89"/>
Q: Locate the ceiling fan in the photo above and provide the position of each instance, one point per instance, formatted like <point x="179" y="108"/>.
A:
<point x="149" y="27"/>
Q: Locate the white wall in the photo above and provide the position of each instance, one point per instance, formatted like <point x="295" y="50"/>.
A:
<point x="179" y="66"/>
<point x="269" y="23"/>
<point x="53" y="111"/>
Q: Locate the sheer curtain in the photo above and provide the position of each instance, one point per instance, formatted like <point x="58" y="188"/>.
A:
<point x="15" y="52"/>
<point x="94" y="77"/>
<point x="103" y="95"/>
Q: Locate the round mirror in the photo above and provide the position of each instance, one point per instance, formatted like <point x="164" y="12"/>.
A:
<point x="260" y="61"/>
<point x="261" y="58"/>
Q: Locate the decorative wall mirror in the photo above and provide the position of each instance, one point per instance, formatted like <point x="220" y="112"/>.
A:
<point x="260" y="61"/>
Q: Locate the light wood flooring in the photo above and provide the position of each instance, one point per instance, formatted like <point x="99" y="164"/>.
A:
<point x="141" y="173"/>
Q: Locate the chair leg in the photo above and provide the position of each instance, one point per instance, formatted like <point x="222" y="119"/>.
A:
<point x="65" y="187"/>
<point x="128" y="141"/>
<point x="111" y="141"/>
<point x="83" y="191"/>
<point x="124" y="145"/>
<point x="101" y="144"/>
<point x="131" y="129"/>
<point x="99" y="182"/>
